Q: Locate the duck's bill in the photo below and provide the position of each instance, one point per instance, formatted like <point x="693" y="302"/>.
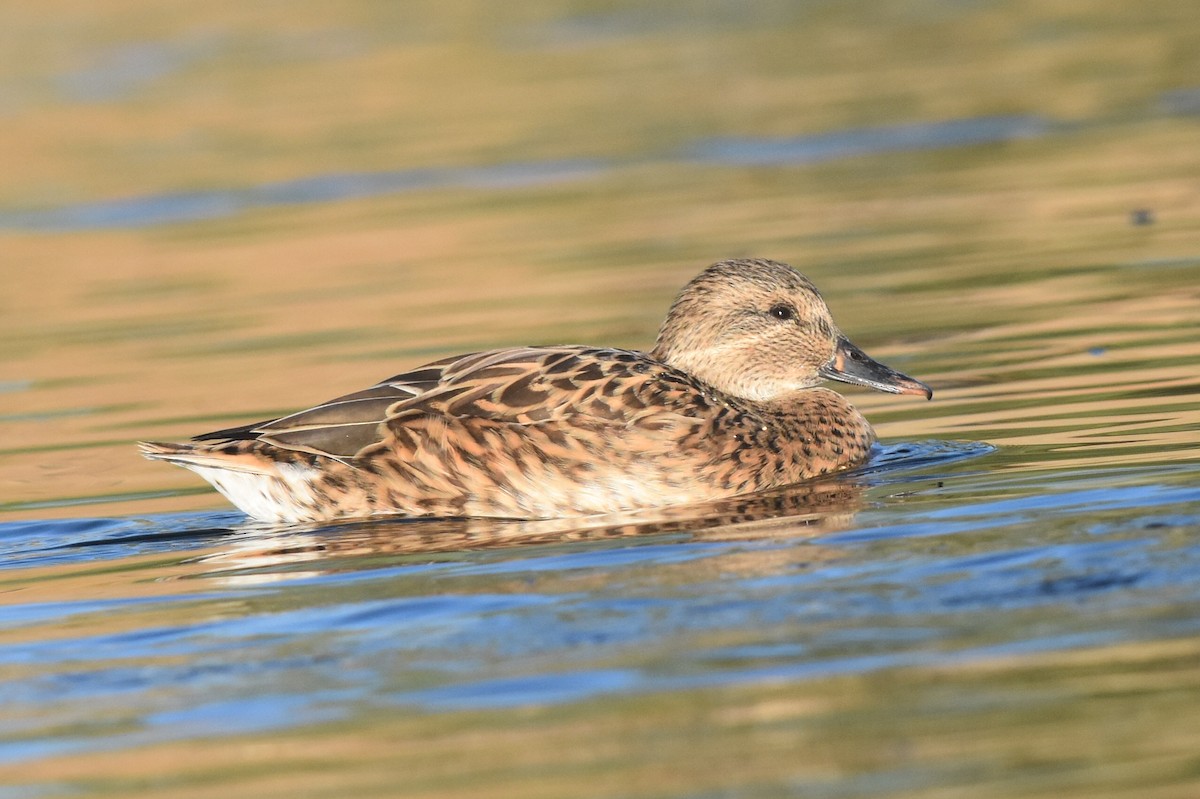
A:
<point x="851" y="365"/>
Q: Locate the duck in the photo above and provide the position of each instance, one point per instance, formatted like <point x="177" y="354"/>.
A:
<point x="728" y="402"/>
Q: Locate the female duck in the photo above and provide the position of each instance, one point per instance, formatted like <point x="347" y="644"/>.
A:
<point x="726" y="403"/>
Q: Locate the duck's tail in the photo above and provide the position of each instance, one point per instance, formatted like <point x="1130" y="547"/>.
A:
<point x="232" y="458"/>
<point x="262" y="488"/>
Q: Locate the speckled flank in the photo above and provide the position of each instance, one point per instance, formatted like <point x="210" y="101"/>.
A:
<point x="726" y="403"/>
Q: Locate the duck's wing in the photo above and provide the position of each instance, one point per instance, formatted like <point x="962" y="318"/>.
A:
<point x="341" y="426"/>
<point x="521" y="386"/>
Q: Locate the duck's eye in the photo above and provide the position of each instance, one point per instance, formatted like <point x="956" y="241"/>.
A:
<point x="784" y="313"/>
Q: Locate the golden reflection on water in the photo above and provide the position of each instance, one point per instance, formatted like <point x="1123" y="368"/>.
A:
<point x="1108" y="384"/>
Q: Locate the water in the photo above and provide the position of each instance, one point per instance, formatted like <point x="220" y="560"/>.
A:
<point x="174" y="208"/>
<point x="203" y="205"/>
<point x="219" y="217"/>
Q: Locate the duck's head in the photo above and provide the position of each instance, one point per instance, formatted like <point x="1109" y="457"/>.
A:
<point x="759" y="329"/>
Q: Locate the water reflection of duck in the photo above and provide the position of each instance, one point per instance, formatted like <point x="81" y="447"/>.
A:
<point x="254" y="553"/>
<point x="726" y="403"/>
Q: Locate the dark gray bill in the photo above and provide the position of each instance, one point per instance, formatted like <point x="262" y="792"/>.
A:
<point x="851" y="365"/>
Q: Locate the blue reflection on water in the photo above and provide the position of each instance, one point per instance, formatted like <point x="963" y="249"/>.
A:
<point x="1181" y="102"/>
<point x="754" y="151"/>
<point x="170" y="208"/>
<point x="117" y="72"/>
<point x="177" y="207"/>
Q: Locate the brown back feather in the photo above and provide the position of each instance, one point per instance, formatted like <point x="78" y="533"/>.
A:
<point x="519" y="386"/>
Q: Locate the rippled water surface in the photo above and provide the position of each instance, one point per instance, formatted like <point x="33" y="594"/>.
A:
<point x="221" y="215"/>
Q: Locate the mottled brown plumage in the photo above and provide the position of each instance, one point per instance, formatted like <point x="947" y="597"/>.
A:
<point x="726" y="403"/>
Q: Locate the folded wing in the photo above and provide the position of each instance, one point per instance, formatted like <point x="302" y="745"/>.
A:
<point x="520" y="386"/>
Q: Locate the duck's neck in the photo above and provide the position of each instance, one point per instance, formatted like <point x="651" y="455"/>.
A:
<point x="818" y="413"/>
<point x="819" y="431"/>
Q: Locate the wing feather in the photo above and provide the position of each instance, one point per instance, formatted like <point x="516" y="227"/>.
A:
<point x="519" y="386"/>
